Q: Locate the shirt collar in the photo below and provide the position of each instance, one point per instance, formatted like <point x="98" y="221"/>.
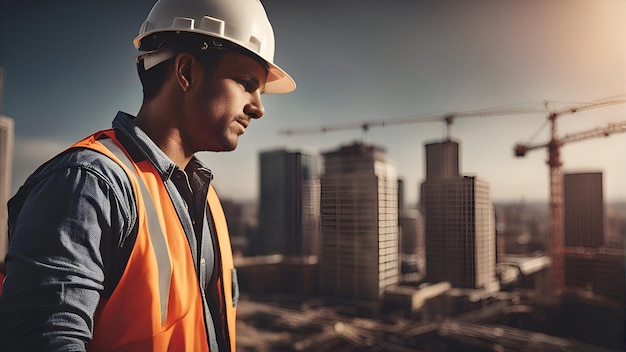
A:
<point x="123" y="122"/>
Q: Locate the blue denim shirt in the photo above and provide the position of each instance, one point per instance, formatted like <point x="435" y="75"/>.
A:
<point x="72" y="226"/>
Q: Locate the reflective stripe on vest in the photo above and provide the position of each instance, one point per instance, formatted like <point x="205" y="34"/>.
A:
<point x="157" y="304"/>
<point x="154" y="229"/>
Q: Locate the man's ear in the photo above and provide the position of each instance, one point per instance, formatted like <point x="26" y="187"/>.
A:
<point x="183" y="69"/>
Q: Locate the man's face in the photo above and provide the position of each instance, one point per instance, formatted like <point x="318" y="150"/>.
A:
<point x="220" y="107"/>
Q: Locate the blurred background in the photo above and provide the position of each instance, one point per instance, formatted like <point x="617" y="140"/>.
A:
<point x="386" y="188"/>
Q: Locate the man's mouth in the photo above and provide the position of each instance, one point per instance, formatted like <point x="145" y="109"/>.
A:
<point x="244" y="123"/>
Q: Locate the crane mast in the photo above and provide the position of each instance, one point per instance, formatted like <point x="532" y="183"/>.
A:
<point x="557" y="243"/>
<point x="556" y="209"/>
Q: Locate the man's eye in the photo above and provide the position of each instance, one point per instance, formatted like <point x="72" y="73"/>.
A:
<point x="246" y="84"/>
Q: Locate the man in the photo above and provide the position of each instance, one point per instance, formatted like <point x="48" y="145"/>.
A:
<point x="120" y="243"/>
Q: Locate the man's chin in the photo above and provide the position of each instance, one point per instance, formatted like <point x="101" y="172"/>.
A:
<point x="227" y="146"/>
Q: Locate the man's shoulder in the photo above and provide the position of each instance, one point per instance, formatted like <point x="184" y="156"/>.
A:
<point x="91" y="162"/>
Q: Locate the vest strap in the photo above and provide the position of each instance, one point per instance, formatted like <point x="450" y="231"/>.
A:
<point x="154" y="229"/>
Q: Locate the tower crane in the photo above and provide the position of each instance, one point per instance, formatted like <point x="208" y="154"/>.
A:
<point x="553" y="146"/>
<point x="554" y="159"/>
<point x="447" y="118"/>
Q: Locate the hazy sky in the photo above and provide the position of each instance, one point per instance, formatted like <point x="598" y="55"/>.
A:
<point x="69" y="67"/>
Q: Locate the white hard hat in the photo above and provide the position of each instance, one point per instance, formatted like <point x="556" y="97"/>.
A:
<point x="242" y="22"/>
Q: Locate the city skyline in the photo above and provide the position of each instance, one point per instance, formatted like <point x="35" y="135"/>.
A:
<point x="386" y="60"/>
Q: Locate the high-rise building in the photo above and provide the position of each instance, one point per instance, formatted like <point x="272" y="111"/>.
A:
<point x="442" y="160"/>
<point x="583" y="209"/>
<point x="590" y="268"/>
<point x="289" y="204"/>
<point x="6" y="160"/>
<point x="459" y="222"/>
<point x="359" y="209"/>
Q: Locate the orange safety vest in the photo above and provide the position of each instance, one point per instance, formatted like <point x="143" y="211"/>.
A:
<point x="157" y="304"/>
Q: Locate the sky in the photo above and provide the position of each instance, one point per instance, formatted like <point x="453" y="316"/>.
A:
<point x="69" y="67"/>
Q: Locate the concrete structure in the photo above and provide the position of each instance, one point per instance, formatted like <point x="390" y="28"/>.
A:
<point x="359" y="213"/>
<point x="459" y="223"/>
<point x="289" y="204"/>
<point x="6" y="163"/>
<point x="524" y="272"/>
<point x="412" y="299"/>
<point x="583" y="209"/>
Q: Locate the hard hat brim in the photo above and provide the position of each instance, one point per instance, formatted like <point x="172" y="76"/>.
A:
<point x="278" y="81"/>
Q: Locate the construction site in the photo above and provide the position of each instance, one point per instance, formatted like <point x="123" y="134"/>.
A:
<point x="506" y="324"/>
<point x="550" y="303"/>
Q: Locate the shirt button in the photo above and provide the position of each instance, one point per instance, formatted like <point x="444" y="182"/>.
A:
<point x="202" y="261"/>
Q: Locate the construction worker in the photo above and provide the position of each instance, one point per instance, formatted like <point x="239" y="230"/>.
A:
<point x="119" y="243"/>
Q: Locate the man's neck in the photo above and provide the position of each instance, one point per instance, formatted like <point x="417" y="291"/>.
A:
<point x="157" y="124"/>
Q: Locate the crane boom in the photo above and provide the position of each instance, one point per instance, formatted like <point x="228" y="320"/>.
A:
<point x="556" y="188"/>
<point x="448" y="118"/>
<point x="611" y="128"/>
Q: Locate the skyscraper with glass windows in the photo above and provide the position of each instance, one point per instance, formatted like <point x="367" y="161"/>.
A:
<point x="459" y="222"/>
<point x="359" y="213"/>
<point x="289" y="204"/>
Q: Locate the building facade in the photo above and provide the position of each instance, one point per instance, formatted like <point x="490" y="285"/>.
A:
<point x="459" y="219"/>
<point x="594" y="273"/>
<point x="583" y="208"/>
<point x="359" y="212"/>
<point x="289" y="204"/>
<point x="591" y="269"/>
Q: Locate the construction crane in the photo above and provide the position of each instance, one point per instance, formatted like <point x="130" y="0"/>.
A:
<point x="557" y="249"/>
<point x="553" y="146"/>
<point x="447" y="118"/>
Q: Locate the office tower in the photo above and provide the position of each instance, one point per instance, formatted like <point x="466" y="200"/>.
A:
<point x="590" y="268"/>
<point x="6" y="157"/>
<point x="584" y="209"/>
<point x="289" y="204"/>
<point x="359" y="207"/>
<point x="442" y="160"/>
<point x="459" y="223"/>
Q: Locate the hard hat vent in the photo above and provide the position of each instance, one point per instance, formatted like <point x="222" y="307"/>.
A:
<point x="212" y="25"/>
<point x="147" y="26"/>
<point x="255" y="43"/>
<point x="183" y="23"/>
